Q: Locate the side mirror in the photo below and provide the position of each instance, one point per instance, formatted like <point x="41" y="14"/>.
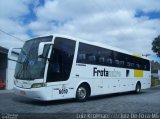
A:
<point x="43" y="46"/>
<point x="12" y="51"/>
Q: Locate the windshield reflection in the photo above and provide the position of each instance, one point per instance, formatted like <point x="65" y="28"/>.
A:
<point x="30" y="67"/>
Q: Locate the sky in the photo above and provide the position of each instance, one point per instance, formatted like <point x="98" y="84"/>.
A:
<point x="131" y="25"/>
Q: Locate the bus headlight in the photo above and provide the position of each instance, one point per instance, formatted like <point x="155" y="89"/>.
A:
<point x="38" y="85"/>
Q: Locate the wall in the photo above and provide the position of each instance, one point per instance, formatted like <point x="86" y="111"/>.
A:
<point x="3" y="66"/>
<point x="10" y="72"/>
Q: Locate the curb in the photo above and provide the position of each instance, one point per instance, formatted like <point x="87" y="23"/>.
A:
<point x="155" y="86"/>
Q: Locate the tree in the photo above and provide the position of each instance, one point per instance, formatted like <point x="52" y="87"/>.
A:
<point x="156" y="45"/>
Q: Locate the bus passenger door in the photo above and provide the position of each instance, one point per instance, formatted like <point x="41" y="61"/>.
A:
<point x="60" y="64"/>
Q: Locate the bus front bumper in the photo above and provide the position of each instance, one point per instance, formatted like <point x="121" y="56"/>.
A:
<point x="34" y="93"/>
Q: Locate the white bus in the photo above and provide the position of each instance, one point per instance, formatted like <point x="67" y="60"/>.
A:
<point x="60" y="67"/>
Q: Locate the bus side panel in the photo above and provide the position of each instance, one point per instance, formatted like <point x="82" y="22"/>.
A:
<point x="146" y="80"/>
<point x="106" y="85"/>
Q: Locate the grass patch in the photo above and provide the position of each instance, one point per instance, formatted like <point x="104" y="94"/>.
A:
<point x="155" y="82"/>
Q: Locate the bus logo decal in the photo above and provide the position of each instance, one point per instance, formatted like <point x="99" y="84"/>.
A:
<point x="105" y="73"/>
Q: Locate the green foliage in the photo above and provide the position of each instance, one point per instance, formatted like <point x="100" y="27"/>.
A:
<point x="156" y="45"/>
<point x="155" y="82"/>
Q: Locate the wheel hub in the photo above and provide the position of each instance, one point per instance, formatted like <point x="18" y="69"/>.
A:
<point x="81" y="93"/>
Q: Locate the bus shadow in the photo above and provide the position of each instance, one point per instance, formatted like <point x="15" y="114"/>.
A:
<point x="67" y="101"/>
<point x="25" y="100"/>
<point x="114" y="95"/>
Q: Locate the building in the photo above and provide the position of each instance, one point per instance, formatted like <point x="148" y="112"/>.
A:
<point x="7" y="67"/>
<point x="3" y="63"/>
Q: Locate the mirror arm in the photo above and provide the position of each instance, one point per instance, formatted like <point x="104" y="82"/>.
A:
<point x="44" y="58"/>
<point x="14" y="60"/>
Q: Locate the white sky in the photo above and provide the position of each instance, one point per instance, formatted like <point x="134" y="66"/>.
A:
<point x="112" y="22"/>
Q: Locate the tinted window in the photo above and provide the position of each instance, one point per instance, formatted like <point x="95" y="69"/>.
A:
<point x="61" y="60"/>
<point x="119" y="59"/>
<point x="87" y="54"/>
<point x="95" y="55"/>
<point x="29" y="66"/>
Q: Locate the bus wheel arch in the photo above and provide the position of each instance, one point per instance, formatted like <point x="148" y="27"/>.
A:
<point x="138" y="87"/>
<point x="83" y="92"/>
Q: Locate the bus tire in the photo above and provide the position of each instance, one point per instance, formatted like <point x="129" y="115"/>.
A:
<point x="82" y="93"/>
<point x="138" y="88"/>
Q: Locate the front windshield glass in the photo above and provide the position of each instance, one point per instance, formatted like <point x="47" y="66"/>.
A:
<point x="29" y="66"/>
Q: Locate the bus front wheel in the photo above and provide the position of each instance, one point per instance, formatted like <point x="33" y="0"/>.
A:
<point x="82" y="93"/>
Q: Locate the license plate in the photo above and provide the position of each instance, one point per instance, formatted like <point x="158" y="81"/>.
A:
<point x="22" y="93"/>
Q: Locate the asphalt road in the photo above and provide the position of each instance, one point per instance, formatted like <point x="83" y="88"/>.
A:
<point x="148" y="101"/>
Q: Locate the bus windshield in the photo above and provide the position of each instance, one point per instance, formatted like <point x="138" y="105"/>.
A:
<point x="29" y="66"/>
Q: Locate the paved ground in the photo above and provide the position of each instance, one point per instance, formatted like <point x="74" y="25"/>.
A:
<point x="148" y="101"/>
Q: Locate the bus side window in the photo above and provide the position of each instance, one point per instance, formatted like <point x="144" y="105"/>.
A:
<point x="128" y="64"/>
<point x="138" y="66"/>
<point x="101" y="60"/>
<point x="61" y="60"/>
<point x="109" y="61"/>
<point x="132" y="65"/>
<point x="121" y="63"/>
<point x="148" y="65"/>
<point x="91" y="59"/>
<point x="82" y="58"/>
<point x="116" y="62"/>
